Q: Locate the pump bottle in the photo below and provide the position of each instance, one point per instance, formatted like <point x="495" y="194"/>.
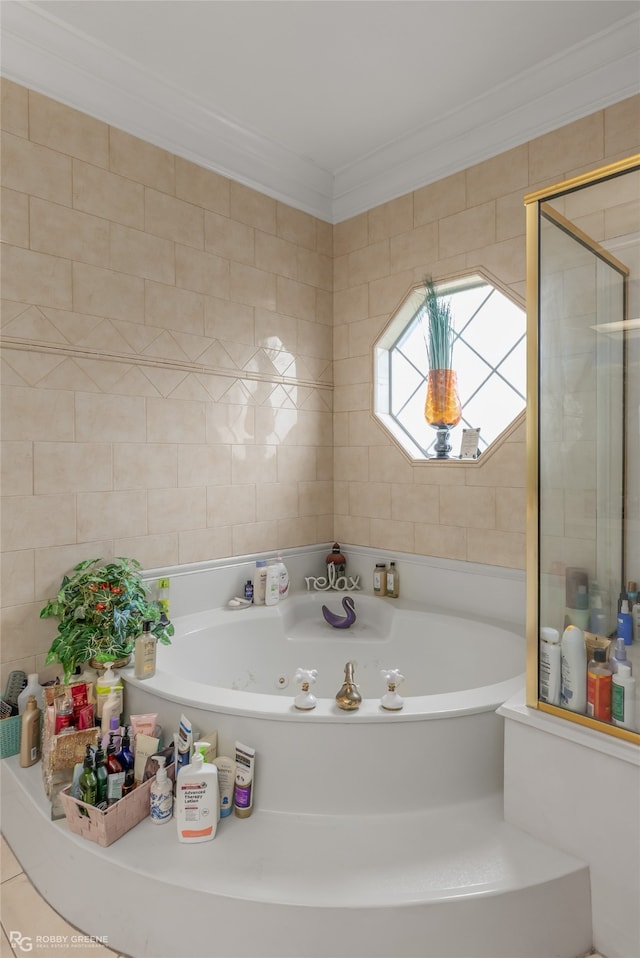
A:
<point x="161" y="794"/>
<point x="573" y="691"/>
<point x="32" y="687"/>
<point x="197" y="806"/>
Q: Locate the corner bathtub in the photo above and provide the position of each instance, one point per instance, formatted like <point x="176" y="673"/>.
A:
<point x="231" y="671"/>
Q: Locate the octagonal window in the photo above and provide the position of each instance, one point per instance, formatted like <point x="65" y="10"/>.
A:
<point x="489" y="358"/>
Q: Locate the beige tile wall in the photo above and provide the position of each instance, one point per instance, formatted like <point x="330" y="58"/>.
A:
<point x="172" y="338"/>
<point x="474" y="218"/>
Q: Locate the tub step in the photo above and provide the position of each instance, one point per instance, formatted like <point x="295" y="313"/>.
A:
<point x="448" y="883"/>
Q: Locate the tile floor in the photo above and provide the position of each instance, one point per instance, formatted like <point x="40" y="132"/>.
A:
<point x="27" y="916"/>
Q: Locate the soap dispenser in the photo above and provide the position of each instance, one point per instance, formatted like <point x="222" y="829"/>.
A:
<point x="161" y="794"/>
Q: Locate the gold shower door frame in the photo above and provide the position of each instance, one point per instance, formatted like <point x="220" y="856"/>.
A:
<point x="537" y="207"/>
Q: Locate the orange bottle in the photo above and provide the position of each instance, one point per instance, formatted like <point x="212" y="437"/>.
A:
<point x="599" y="678"/>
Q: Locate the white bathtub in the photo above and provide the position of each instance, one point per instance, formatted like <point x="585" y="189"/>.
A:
<point x="232" y="672"/>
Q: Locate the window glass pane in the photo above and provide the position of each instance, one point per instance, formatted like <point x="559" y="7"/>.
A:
<point x="472" y="371"/>
<point x="405" y="379"/>
<point x="493" y="408"/>
<point x="494" y="329"/>
<point x="514" y="368"/>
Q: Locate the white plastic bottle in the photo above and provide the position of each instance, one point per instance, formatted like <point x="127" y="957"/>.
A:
<point x="32" y="687"/>
<point x="272" y="584"/>
<point x="197" y="807"/>
<point x="284" y="578"/>
<point x="573" y="691"/>
<point x="259" y="582"/>
<point x="107" y="683"/>
<point x="111" y="709"/>
<point x="623" y="698"/>
<point x="161" y="795"/>
<point x="550" y="666"/>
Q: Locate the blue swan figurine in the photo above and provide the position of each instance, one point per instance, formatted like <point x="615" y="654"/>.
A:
<point x="341" y="621"/>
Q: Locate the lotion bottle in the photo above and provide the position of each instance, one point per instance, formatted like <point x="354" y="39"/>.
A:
<point x="197" y="807"/>
<point x="30" y="734"/>
<point x="161" y="795"/>
<point x="283" y="587"/>
<point x="109" y="682"/>
<point x="573" y="691"/>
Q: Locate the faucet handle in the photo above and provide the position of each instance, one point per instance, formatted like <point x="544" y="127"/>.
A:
<point x="305" y="700"/>
<point x="391" y="701"/>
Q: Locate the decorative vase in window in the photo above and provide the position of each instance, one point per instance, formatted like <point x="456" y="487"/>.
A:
<point x="442" y="408"/>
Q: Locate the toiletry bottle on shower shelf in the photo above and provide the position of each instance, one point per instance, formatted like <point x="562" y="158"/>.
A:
<point x="115" y="775"/>
<point x="623" y="698"/>
<point x="550" y="666"/>
<point x="598" y="624"/>
<point x="393" y="581"/>
<point x="619" y="656"/>
<point x="625" y="623"/>
<point x="109" y="682"/>
<point x="599" y="686"/>
<point x="573" y="659"/>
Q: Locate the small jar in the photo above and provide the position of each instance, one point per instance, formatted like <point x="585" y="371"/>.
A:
<point x="380" y="579"/>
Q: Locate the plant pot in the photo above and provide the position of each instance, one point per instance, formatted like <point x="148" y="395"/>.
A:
<point x="120" y="663"/>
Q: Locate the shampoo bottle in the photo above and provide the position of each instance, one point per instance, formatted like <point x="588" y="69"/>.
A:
<point x="161" y="794"/>
<point x="380" y="579"/>
<point x="623" y="694"/>
<point x="30" y="734"/>
<point x="573" y="652"/>
<point x="550" y="665"/>
<point x="197" y="806"/>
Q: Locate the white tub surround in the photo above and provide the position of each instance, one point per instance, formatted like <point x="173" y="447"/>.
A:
<point x="579" y="790"/>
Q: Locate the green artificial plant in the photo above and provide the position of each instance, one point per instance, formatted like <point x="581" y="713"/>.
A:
<point x="102" y="607"/>
<point x="440" y="333"/>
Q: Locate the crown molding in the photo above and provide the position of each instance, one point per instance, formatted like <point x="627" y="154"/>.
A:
<point x="46" y="55"/>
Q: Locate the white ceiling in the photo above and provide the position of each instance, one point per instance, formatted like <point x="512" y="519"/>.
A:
<point x="332" y="106"/>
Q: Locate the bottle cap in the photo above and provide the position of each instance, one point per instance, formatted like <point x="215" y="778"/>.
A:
<point x="600" y="655"/>
<point x="547" y="634"/>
